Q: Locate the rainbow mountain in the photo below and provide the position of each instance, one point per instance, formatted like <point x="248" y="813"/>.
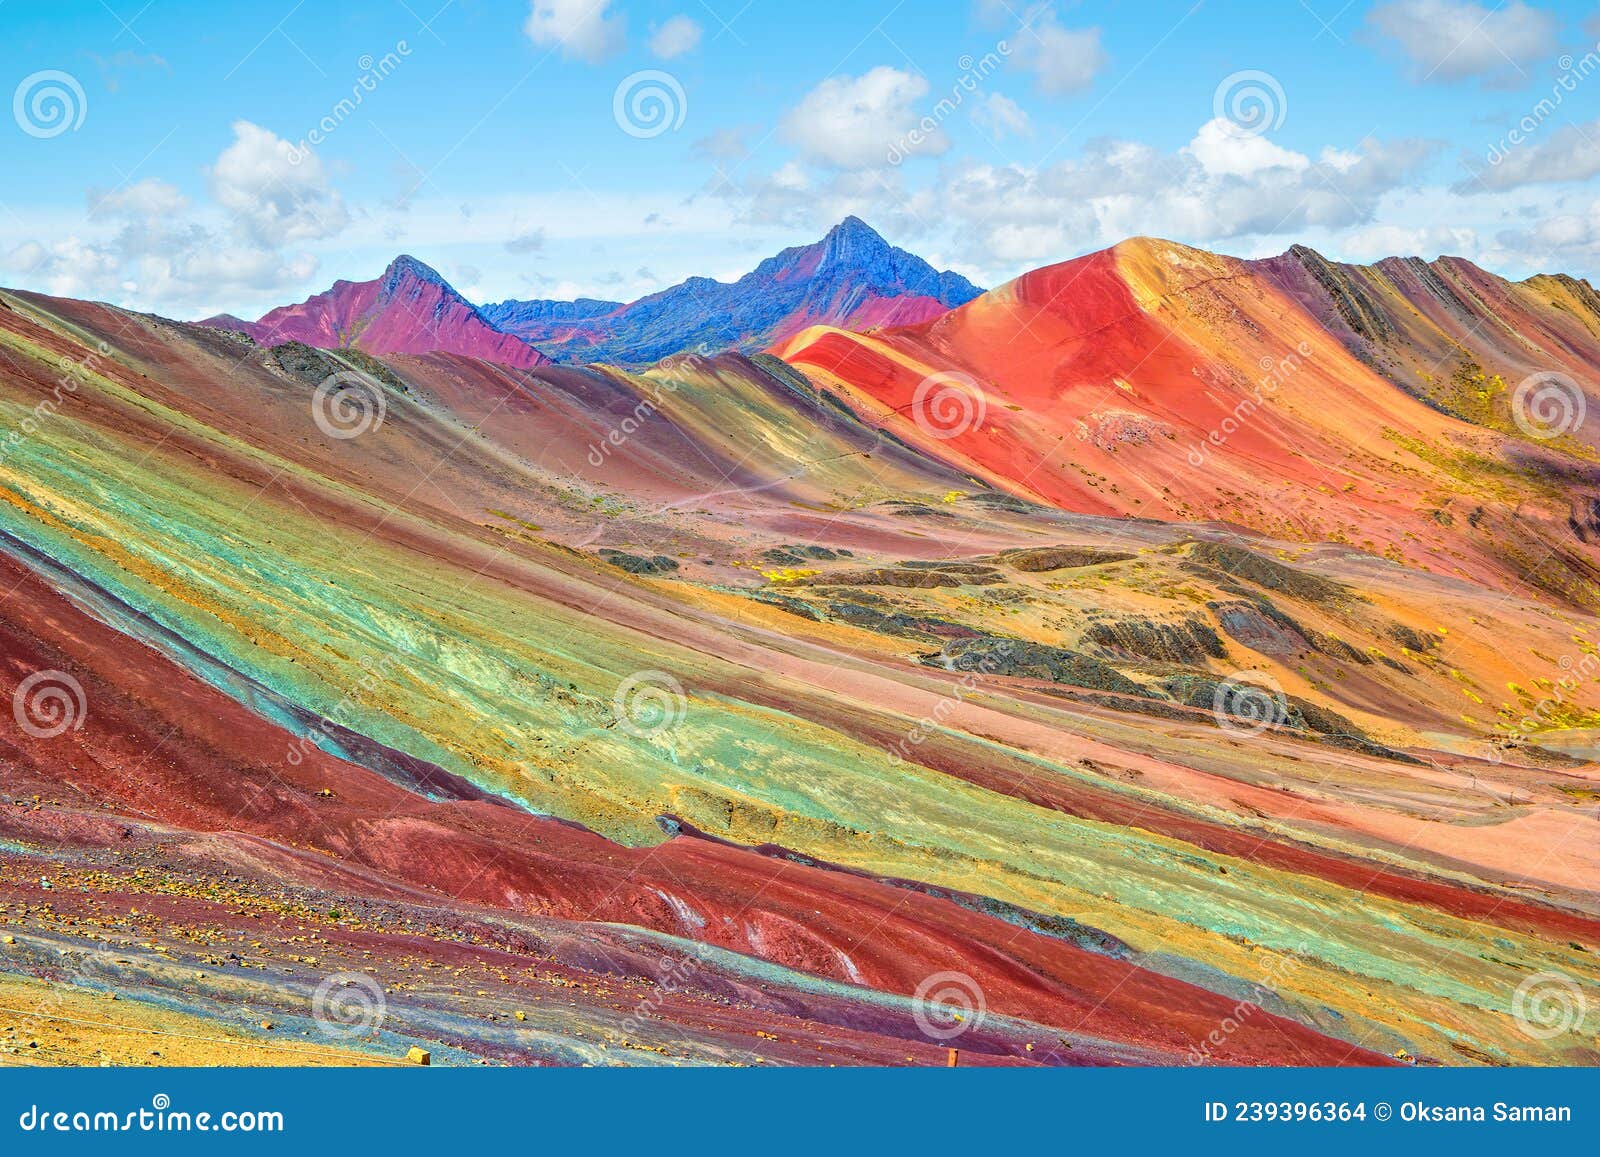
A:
<point x="1049" y="673"/>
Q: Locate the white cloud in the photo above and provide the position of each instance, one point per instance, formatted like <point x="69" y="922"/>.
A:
<point x="1558" y="242"/>
<point x="277" y="193"/>
<point x="1000" y="219"/>
<point x="1000" y="116"/>
<point x="145" y="244"/>
<point x="578" y="28"/>
<point x="1375" y="242"/>
<point x="1570" y="153"/>
<point x="1449" y="40"/>
<point x="1062" y="60"/>
<point x="148" y="199"/>
<point x="674" y="38"/>
<point x="172" y="265"/>
<point x="1120" y="189"/>
<point x="1224" y="151"/>
<point x="858" y="122"/>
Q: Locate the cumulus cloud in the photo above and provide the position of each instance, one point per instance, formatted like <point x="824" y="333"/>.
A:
<point x="1570" y="153"/>
<point x="1375" y="242"/>
<point x="583" y="29"/>
<point x="859" y="122"/>
<point x="1555" y="242"/>
<point x="1000" y="116"/>
<point x="156" y="261"/>
<point x="1062" y="59"/>
<point x="146" y="243"/>
<point x="1006" y="217"/>
<point x="675" y="38"/>
<point x="1449" y="40"/>
<point x="1222" y="150"/>
<point x="149" y="199"/>
<point x="277" y="193"/>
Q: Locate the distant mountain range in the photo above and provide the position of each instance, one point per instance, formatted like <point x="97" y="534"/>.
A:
<point x="852" y="278"/>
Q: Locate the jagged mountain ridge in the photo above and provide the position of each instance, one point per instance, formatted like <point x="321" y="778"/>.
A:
<point x="851" y="278"/>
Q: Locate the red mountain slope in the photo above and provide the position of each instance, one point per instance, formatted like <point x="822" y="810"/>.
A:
<point x="409" y="310"/>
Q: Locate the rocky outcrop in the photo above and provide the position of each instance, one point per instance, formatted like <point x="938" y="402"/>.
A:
<point x="1256" y="568"/>
<point x="638" y="563"/>
<point x="909" y="577"/>
<point x="993" y="655"/>
<point x="1047" y="558"/>
<point x="1188" y="642"/>
<point x="1261" y="627"/>
<point x="792" y="555"/>
<point x="898" y="623"/>
<point x="1254" y="704"/>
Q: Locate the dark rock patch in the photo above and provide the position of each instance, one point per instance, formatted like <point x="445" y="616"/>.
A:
<point x="1263" y="629"/>
<point x="897" y="577"/>
<point x="899" y="624"/>
<point x="793" y="555"/>
<point x="1410" y="638"/>
<point x="1044" y="558"/>
<point x="992" y="655"/>
<point x="1253" y="567"/>
<point x="638" y="563"/>
<point x="1188" y="642"/>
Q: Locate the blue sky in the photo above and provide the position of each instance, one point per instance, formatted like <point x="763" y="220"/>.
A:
<point x="189" y="158"/>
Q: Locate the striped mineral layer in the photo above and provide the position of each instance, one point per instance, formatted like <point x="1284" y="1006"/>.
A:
<point x="1160" y="659"/>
